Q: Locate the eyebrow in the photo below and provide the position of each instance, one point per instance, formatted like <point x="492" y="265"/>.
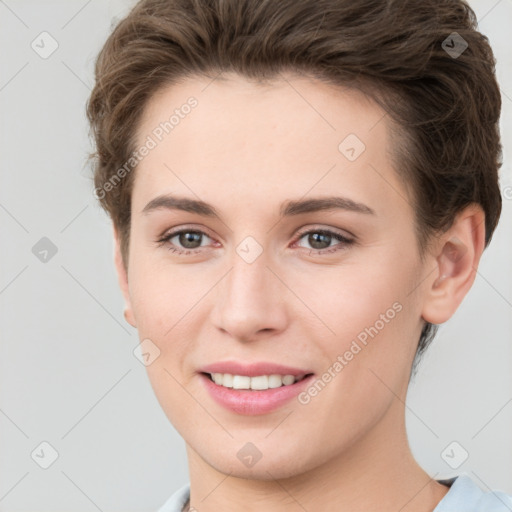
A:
<point x="287" y="209"/>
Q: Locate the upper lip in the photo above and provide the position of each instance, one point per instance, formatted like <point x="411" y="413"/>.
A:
<point x="253" y="369"/>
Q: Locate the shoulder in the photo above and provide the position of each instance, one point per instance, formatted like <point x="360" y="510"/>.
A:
<point x="177" y="500"/>
<point x="466" y="496"/>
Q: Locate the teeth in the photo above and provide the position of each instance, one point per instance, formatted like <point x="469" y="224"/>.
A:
<point x="260" y="382"/>
<point x="241" y="382"/>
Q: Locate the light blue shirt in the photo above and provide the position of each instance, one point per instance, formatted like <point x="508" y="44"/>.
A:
<point x="464" y="496"/>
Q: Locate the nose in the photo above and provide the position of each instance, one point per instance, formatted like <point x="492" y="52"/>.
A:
<point x="250" y="301"/>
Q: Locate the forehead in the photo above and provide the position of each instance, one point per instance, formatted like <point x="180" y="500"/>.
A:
<point x="236" y="108"/>
<point x="256" y="141"/>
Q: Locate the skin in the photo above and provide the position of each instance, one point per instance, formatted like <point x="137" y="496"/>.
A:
<point x="245" y="149"/>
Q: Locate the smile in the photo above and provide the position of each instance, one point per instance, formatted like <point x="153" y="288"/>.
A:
<point x="258" y="382"/>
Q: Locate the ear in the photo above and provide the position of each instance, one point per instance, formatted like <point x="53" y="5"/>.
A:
<point x="122" y="277"/>
<point x="456" y="257"/>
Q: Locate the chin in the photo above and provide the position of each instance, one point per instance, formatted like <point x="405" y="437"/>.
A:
<point x="281" y="465"/>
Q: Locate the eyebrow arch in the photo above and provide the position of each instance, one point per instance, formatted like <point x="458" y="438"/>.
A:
<point x="288" y="208"/>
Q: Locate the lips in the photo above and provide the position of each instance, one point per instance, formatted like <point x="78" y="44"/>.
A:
<point x="253" y="369"/>
<point x="253" y="402"/>
<point x="250" y="402"/>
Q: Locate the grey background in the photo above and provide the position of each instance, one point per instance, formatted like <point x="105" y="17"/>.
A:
<point x="67" y="369"/>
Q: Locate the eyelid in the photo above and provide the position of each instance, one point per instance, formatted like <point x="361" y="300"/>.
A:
<point x="185" y="227"/>
<point x="319" y="228"/>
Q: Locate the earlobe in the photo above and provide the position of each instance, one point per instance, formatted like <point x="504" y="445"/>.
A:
<point x="456" y="262"/>
<point x="128" y="316"/>
<point x="122" y="277"/>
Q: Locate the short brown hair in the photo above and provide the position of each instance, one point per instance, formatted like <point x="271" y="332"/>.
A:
<point x="443" y="105"/>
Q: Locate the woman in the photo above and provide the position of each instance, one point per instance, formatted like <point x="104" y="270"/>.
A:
<point x="301" y="191"/>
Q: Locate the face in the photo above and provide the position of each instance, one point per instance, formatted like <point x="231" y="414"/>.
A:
<point x="269" y="274"/>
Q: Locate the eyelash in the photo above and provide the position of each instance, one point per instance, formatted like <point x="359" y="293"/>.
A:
<point x="344" y="241"/>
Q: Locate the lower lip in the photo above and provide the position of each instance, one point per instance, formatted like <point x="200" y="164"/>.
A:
<point x="250" y="402"/>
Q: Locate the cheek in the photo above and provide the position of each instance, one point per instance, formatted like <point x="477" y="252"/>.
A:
<point x="350" y="298"/>
<point x="163" y="294"/>
<point x="163" y="300"/>
<point x="371" y="317"/>
<point x="367" y="360"/>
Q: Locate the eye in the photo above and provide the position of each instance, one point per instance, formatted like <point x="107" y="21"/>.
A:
<point x="186" y="240"/>
<point x="320" y="240"/>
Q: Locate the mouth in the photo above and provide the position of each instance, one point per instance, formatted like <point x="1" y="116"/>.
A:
<point x="254" y="383"/>
<point x="254" y="395"/>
